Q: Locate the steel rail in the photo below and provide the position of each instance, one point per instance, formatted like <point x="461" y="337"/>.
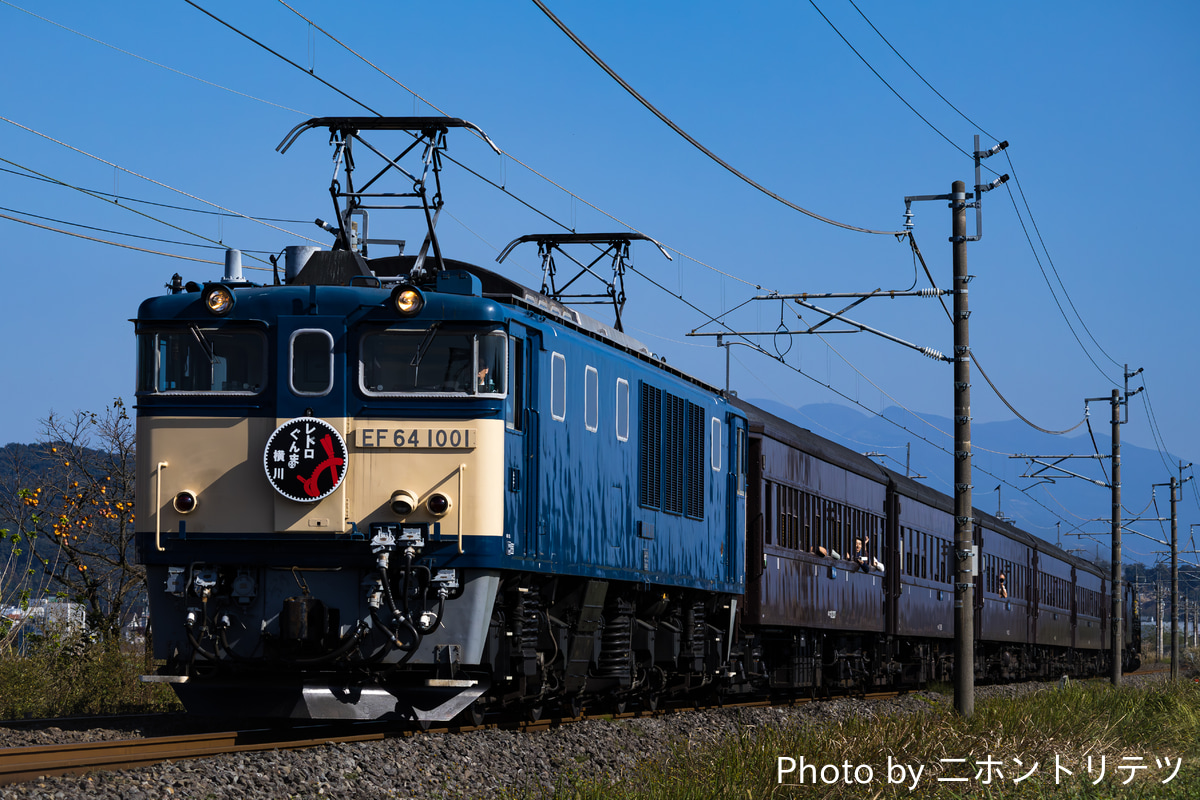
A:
<point x="19" y="764"/>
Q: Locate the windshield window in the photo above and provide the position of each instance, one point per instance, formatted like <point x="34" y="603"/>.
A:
<point x="198" y="360"/>
<point x="433" y="361"/>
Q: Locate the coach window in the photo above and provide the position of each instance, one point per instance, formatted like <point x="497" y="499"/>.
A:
<point x="622" y="415"/>
<point x="195" y="360"/>
<point x="591" y="399"/>
<point x="312" y="362"/>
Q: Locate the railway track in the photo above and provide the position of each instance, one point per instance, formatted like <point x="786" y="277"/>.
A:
<point x="20" y="764"/>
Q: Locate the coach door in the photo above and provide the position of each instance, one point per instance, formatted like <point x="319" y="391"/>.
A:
<point x="522" y="432"/>
<point x="1035" y="599"/>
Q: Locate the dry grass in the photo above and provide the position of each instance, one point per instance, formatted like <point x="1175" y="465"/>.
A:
<point x="1051" y="729"/>
<point x="57" y="677"/>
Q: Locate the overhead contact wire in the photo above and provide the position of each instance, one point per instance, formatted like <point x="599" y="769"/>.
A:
<point x="120" y="233"/>
<point x="104" y="195"/>
<point x="114" y="244"/>
<point x="147" y="60"/>
<point x="915" y="72"/>
<point x="106" y="198"/>
<point x="692" y="141"/>
<point x="151" y="180"/>
<point x="281" y="56"/>
<point x="1050" y="260"/>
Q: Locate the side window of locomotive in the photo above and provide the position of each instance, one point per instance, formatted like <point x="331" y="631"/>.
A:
<point x="622" y="415"/>
<point x="489" y="368"/>
<point x="716" y="444"/>
<point x="312" y="362"/>
<point x="202" y="361"/>
<point x="558" y="386"/>
<point x="591" y="399"/>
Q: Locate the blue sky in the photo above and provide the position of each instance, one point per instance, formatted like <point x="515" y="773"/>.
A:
<point x="1096" y="99"/>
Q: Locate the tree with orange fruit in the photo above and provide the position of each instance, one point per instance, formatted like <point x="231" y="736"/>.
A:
<point x="69" y="517"/>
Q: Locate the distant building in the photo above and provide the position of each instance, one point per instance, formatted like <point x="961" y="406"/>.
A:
<point x="42" y="617"/>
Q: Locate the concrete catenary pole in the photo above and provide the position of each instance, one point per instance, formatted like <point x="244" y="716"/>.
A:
<point x="964" y="594"/>
<point x="1117" y="583"/>
<point x="1174" y="584"/>
<point x="1158" y="640"/>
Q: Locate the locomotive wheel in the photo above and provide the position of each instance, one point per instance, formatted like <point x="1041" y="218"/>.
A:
<point x="572" y="707"/>
<point x="534" y="713"/>
<point x="471" y="716"/>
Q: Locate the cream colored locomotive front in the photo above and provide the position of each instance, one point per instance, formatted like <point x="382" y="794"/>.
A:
<point x="208" y="481"/>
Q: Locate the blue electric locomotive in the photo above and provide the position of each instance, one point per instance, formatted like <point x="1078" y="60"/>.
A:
<point x="406" y="487"/>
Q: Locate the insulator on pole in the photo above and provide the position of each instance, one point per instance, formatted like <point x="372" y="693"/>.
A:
<point x="934" y="354"/>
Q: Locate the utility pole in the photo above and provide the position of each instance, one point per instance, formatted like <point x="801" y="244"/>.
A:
<point x="1174" y="582"/>
<point x="1118" y="583"/>
<point x="1158" y="642"/>
<point x="964" y="529"/>
<point x="1118" y="640"/>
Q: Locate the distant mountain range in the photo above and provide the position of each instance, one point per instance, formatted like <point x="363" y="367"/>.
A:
<point x="1057" y="511"/>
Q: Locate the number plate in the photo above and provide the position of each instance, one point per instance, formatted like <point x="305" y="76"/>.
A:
<point x="417" y="438"/>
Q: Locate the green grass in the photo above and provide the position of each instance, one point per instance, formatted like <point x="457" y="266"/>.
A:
<point x="1151" y="722"/>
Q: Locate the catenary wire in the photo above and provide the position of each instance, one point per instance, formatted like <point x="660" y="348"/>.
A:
<point x="106" y="194"/>
<point x="151" y="180"/>
<point x="885" y="83"/>
<point x="692" y="141"/>
<point x="919" y="75"/>
<point x="124" y="233"/>
<point x="107" y="199"/>
<point x="114" y="244"/>
<point x="1053" y="294"/>
<point x="166" y="186"/>
<point x="281" y="56"/>
<point x="1013" y="170"/>
<point x="148" y="61"/>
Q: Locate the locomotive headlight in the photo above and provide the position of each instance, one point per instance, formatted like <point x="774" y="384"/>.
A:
<point x="438" y="504"/>
<point x="218" y="299"/>
<point x="403" y="503"/>
<point x="407" y="300"/>
<point x="184" y="502"/>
